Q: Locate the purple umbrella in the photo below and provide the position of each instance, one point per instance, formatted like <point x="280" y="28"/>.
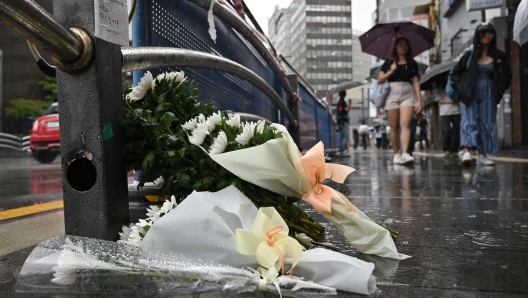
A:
<point x="380" y="40"/>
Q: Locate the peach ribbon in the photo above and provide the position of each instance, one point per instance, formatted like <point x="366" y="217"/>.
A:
<point x="316" y="171"/>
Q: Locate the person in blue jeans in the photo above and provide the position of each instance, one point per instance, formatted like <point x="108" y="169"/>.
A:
<point x="481" y="87"/>
<point x="342" y="121"/>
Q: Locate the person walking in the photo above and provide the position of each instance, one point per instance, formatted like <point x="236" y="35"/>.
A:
<point x="404" y="98"/>
<point x="450" y="121"/>
<point x="377" y="135"/>
<point x="383" y="131"/>
<point x="342" y="122"/>
<point x="422" y="123"/>
<point x="480" y="90"/>
<point x="355" y="134"/>
<point x="364" y="133"/>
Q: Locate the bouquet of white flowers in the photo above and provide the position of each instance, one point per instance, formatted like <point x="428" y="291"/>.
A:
<point x="196" y="149"/>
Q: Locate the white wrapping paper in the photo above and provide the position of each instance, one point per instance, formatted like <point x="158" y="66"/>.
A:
<point x="204" y="226"/>
<point x="276" y="165"/>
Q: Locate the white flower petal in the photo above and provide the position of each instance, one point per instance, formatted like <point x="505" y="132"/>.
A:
<point x="247" y="133"/>
<point x="234" y="120"/>
<point x="213" y="120"/>
<point x="190" y="125"/>
<point x="142" y="88"/>
<point x="219" y="144"/>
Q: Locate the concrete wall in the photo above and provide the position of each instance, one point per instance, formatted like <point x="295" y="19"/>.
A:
<point x="20" y="72"/>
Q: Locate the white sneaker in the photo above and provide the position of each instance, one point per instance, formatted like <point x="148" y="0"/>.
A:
<point x="466" y="159"/>
<point x="484" y="160"/>
<point x="396" y="159"/>
<point x="406" y="158"/>
<point x="460" y="154"/>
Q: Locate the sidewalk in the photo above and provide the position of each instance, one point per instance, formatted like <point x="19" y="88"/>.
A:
<point x="465" y="228"/>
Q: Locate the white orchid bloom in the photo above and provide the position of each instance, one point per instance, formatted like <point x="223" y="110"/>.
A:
<point x="142" y="88"/>
<point x="219" y="144"/>
<point x="268" y="240"/>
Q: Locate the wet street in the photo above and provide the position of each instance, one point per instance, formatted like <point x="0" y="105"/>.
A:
<point x="465" y="228"/>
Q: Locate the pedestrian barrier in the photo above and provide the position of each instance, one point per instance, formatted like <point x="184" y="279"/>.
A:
<point x="184" y="24"/>
<point x="236" y="71"/>
<point x="13" y="142"/>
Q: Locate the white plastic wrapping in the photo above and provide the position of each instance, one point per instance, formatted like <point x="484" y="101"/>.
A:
<point x="204" y="226"/>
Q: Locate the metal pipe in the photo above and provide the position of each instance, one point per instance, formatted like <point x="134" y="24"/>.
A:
<point x="243" y="28"/>
<point x="37" y="25"/>
<point x="140" y="58"/>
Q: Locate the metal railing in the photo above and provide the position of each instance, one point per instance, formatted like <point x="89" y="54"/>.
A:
<point x="13" y="142"/>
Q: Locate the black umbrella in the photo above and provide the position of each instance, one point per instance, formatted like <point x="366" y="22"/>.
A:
<point x="375" y="70"/>
<point x="436" y="76"/>
<point x="345" y="86"/>
<point x="381" y="39"/>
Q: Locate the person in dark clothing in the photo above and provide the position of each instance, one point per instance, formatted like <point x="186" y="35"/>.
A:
<point x="342" y="121"/>
<point x="480" y="88"/>
<point x="422" y="123"/>
<point x="355" y="134"/>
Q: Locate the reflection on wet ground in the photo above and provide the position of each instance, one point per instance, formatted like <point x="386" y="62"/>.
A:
<point x="465" y="228"/>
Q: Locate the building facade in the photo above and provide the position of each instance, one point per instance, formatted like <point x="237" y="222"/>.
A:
<point x="320" y="44"/>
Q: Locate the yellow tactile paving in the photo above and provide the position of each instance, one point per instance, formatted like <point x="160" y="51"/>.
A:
<point x="23" y="211"/>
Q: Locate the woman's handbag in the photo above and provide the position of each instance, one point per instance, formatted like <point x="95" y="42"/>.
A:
<point x="380" y="94"/>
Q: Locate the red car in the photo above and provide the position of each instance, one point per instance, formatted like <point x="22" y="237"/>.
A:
<point x="44" y="140"/>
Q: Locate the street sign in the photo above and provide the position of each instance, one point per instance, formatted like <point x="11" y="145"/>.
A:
<point x="472" y="5"/>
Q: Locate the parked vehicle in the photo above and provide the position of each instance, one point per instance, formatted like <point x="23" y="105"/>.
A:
<point x="44" y="140"/>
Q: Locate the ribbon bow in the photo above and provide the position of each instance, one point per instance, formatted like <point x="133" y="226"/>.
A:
<point x="316" y="171"/>
<point x="268" y="240"/>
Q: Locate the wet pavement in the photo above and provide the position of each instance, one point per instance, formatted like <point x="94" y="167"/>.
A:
<point x="465" y="228"/>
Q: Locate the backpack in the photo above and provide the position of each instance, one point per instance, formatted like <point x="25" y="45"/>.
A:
<point x="451" y="92"/>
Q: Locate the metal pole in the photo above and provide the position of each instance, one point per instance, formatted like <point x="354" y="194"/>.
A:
<point x="157" y="57"/>
<point x="362" y="105"/>
<point x="90" y="114"/>
<point x="1" y="88"/>
<point x="37" y="25"/>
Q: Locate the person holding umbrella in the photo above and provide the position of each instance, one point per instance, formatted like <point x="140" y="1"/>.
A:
<point x="404" y="98"/>
<point x="399" y="42"/>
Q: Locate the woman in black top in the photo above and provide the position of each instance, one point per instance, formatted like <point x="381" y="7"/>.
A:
<point x="480" y="88"/>
<point x="404" y="98"/>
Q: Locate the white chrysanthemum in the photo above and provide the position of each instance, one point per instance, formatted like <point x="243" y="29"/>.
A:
<point x="190" y="125"/>
<point x="234" y="120"/>
<point x="158" y="78"/>
<point x="142" y="88"/>
<point x="200" y="118"/>
<point x="213" y="120"/>
<point x="247" y="133"/>
<point x="260" y="126"/>
<point x="168" y="206"/>
<point x="123" y="236"/>
<point x="220" y="143"/>
<point x="198" y="134"/>
<point x="71" y="258"/>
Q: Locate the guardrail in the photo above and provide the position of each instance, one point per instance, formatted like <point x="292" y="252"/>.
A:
<point x="14" y="142"/>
